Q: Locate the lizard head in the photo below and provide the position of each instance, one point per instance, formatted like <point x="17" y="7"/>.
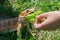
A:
<point x="22" y="16"/>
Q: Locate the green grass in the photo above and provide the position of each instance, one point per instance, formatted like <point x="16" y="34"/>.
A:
<point x="11" y="8"/>
<point x="8" y="36"/>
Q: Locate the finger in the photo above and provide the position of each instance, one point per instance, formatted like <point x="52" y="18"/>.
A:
<point x="43" y="24"/>
<point x="36" y="25"/>
<point x="45" y="15"/>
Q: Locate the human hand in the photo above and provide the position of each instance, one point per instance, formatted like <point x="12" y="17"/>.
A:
<point x="52" y="21"/>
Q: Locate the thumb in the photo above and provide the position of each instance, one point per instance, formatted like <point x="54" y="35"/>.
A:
<point x="36" y="25"/>
<point x="45" y="15"/>
<point x="44" y="24"/>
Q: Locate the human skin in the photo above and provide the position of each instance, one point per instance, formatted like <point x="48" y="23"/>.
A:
<point x="52" y="21"/>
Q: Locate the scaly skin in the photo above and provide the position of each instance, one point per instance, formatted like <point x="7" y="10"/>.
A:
<point x="22" y="20"/>
<point x="8" y="24"/>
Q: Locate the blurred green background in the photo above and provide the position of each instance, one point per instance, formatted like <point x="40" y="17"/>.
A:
<point x="11" y="9"/>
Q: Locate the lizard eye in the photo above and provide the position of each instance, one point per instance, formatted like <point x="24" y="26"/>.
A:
<point x="27" y="10"/>
<point x="30" y="10"/>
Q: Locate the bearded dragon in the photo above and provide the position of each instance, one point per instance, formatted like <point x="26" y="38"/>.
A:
<point x="8" y="25"/>
<point x="22" y="20"/>
<point x="13" y="23"/>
